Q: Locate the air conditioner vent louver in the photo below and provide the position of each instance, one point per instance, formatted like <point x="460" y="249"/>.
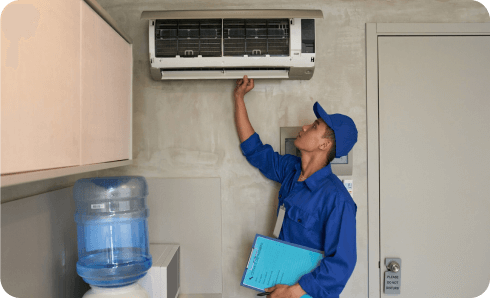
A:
<point x="224" y="69"/>
<point x="188" y="38"/>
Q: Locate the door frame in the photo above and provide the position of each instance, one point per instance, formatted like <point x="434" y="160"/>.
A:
<point x="373" y="31"/>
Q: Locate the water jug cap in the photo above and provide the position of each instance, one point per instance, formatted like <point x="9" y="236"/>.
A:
<point x="110" y="188"/>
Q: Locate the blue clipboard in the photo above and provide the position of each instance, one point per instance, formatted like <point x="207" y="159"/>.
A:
<point x="273" y="261"/>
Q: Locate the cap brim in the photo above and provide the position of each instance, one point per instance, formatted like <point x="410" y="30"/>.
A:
<point x="320" y="113"/>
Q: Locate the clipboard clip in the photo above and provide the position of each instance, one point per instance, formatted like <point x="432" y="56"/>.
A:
<point x="251" y="253"/>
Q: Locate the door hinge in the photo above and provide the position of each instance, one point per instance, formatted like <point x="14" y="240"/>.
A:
<point x="379" y="264"/>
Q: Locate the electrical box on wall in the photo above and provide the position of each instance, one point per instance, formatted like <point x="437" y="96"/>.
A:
<point x="228" y="44"/>
<point x="341" y="166"/>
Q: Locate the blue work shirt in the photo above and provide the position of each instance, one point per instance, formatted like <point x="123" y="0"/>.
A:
<point x="320" y="214"/>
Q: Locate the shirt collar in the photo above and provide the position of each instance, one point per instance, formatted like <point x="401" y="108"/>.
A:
<point x="318" y="178"/>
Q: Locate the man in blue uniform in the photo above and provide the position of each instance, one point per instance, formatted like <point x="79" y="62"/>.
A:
<point x="320" y="213"/>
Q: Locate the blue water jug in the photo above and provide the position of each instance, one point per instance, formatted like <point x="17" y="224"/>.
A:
<point x="112" y="230"/>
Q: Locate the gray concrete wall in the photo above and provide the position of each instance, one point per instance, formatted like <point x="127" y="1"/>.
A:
<point x="186" y="128"/>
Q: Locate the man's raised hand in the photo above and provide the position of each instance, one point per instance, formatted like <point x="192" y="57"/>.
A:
<point x="243" y="86"/>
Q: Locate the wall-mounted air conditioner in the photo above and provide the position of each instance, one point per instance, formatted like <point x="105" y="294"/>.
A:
<point x="228" y="44"/>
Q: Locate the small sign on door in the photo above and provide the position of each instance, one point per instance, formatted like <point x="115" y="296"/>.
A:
<point x="393" y="276"/>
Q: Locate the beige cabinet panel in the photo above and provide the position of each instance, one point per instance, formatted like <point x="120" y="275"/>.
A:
<point x="106" y="86"/>
<point x="198" y="233"/>
<point x="40" y="93"/>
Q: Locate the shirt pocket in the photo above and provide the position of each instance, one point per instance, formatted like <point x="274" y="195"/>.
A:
<point x="303" y="218"/>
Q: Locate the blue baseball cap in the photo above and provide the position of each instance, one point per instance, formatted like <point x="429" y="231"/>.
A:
<point x="343" y="127"/>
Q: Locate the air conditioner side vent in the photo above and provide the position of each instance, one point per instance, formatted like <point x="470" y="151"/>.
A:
<point x="307" y="36"/>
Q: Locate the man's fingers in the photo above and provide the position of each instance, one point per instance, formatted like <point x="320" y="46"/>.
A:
<point x="245" y="80"/>
<point x="250" y="85"/>
<point x="245" y="84"/>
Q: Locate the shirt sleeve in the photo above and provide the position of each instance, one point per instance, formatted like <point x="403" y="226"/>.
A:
<point x="273" y="165"/>
<point x="340" y="254"/>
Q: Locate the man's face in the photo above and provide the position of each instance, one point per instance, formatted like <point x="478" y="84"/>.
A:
<point x="310" y="138"/>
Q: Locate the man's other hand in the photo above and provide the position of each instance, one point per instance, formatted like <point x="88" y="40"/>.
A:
<point x="285" y="291"/>
<point x="243" y="86"/>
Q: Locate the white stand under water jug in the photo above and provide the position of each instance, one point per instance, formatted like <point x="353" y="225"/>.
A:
<point x="112" y="231"/>
<point x="131" y="291"/>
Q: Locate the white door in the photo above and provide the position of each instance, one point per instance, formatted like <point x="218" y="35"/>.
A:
<point x="434" y="163"/>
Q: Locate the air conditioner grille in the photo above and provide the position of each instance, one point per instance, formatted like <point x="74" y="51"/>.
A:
<point x="255" y="37"/>
<point x="190" y="38"/>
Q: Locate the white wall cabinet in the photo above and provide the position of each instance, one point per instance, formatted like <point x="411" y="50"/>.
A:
<point x="66" y="91"/>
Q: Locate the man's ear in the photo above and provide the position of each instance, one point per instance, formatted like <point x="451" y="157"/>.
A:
<point x="326" y="144"/>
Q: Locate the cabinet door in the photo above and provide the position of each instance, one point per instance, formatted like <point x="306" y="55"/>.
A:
<point x="40" y="105"/>
<point x="106" y="87"/>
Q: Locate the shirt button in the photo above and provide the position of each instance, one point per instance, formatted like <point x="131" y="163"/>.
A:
<point x="280" y="196"/>
<point x="299" y="220"/>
